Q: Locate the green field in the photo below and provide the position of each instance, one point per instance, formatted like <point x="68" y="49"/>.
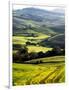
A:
<point x="23" y="39"/>
<point x="52" y="70"/>
<point x="31" y="48"/>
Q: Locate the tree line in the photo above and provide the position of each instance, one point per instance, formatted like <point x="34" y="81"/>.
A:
<point x="22" y="54"/>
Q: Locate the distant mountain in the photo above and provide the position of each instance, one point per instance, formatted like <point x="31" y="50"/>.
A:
<point x="39" y="15"/>
<point x="39" y="20"/>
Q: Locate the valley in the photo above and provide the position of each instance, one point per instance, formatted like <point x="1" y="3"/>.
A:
<point x="38" y="46"/>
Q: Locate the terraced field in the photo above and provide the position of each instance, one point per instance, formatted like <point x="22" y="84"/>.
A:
<point x="51" y="71"/>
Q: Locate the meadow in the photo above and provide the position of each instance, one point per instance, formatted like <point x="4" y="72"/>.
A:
<point x="51" y="71"/>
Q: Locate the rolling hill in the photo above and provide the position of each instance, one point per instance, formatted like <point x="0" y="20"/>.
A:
<point x="55" y="41"/>
<point x="33" y="22"/>
<point x="37" y="20"/>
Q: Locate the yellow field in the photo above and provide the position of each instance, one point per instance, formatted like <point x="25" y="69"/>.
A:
<point x="27" y="74"/>
<point x="38" y="48"/>
<point x="19" y="40"/>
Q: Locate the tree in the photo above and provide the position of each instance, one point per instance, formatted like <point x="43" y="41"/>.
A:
<point x="21" y="55"/>
<point x="41" y="54"/>
<point x="23" y="52"/>
<point x="17" y="46"/>
<point x="56" y="50"/>
<point x="33" y="55"/>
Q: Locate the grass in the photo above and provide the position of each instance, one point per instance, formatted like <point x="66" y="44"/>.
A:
<point x="48" y="60"/>
<point x="19" y="40"/>
<point x="27" y="74"/>
<point x="32" y="48"/>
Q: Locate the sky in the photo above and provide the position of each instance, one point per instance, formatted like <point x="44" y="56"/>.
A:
<point x="16" y="6"/>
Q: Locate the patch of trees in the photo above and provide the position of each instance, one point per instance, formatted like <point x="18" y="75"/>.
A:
<point x="30" y="43"/>
<point x="17" y="46"/>
<point x="22" y="55"/>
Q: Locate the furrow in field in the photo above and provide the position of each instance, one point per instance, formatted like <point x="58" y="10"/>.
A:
<point x="59" y="76"/>
<point x="25" y="77"/>
<point x="37" y="79"/>
<point x="62" y="79"/>
<point x="35" y="75"/>
<point x="43" y="80"/>
<point x="51" y="76"/>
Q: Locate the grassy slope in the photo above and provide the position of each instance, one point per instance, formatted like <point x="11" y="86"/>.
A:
<point x="54" y="59"/>
<point x="26" y="74"/>
<point x="19" y="23"/>
<point x="22" y="40"/>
